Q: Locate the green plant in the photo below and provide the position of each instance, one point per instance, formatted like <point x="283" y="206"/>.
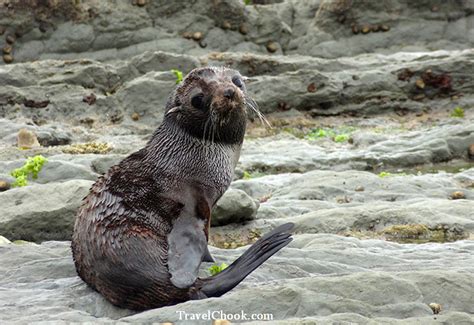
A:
<point x="339" y="135"/>
<point x="458" y="112"/>
<point x="178" y="74"/>
<point x="247" y="2"/>
<point x="247" y="175"/>
<point x="216" y="269"/>
<point x="388" y="174"/>
<point x="341" y="138"/>
<point x="319" y="133"/>
<point x="31" y="168"/>
<point x="384" y="174"/>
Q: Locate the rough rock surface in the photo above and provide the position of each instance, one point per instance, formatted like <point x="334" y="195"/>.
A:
<point x="321" y="278"/>
<point x="370" y="154"/>
<point x="41" y="212"/>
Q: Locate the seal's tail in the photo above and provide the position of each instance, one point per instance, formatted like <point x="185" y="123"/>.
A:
<point x="256" y="255"/>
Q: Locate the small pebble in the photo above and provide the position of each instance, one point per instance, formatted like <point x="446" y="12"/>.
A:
<point x="457" y="195"/>
<point x="436" y="308"/>
<point x="435" y="9"/>
<point x="384" y="28"/>
<point x="221" y="322"/>
<point x="7" y="49"/>
<point x="243" y="29"/>
<point x="197" y="36"/>
<point x="311" y="88"/>
<point x="360" y="188"/>
<point x="7" y="58"/>
<point x="135" y="116"/>
<point x="141" y="3"/>
<point x="27" y="139"/>
<point x="202" y="44"/>
<point x="272" y="47"/>
<point x="4" y="186"/>
<point x="420" y="83"/>
<point x="470" y="151"/>
<point x="365" y="29"/>
<point x="188" y="35"/>
<point x="226" y="25"/>
<point x="355" y="29"/>
<point x="10" y="39"/>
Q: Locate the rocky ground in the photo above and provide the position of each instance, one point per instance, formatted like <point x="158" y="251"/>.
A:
<point x="370" y="154"/>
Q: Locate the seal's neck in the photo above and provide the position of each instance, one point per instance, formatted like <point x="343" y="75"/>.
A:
<point x="170" y="146"/>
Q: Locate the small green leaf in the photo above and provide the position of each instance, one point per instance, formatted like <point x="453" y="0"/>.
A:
<point x="458" y="112"/>
<point x="247" y="175"/>
<point x="31" y="168"/>
<point x="341" y="138"/>
<point x="216" y="269"/>
<point x="178" y="74"/>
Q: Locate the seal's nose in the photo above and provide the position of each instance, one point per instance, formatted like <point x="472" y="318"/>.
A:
<point x="229" y="93"/>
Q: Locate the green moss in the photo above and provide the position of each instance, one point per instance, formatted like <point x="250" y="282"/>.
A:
<point x="458" y="112"/>
<point x="31" y="168"/>
<point x="388" y="174"/>
<point x="89" y="147"/>
<point x="247" y="2"/>
<point x="385" y="174"/>
<point x="341" y="138"/>
<point x="254" y="174"/>
<point x="420" y="233"/>
<point x="407" y="231"/>
<point x="247" y="175"/>
<point x="337" y="135"/>
<point x="216" y="269"/>
<point x="319" y="133"/>
<point x="178" y="74"/>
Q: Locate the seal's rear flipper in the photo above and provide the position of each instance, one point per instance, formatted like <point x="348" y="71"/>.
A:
<point x="256" y="255"/>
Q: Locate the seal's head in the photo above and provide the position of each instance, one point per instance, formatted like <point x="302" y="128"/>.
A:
<point x="211" y="103"/>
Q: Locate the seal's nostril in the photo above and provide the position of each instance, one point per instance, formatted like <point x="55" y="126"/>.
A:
<point x="229" y="93"/>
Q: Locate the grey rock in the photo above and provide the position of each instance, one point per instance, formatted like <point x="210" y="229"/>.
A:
<point x="102" y="164"/>
<point x="41" y="212"/>
<point x="331" y="278"/>
<point x="60" y="171"/>
<point x="434" y="145"/>
<point x="53" y="171"/>
<point x="47" y="135"/>
<point x="233" y="207"/>
<point x="329" y="202"/>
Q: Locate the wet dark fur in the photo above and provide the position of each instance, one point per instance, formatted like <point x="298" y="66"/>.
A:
<point x="120" y="240"/>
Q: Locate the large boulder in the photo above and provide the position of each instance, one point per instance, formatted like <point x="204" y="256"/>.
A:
<point x="41" y="212"/>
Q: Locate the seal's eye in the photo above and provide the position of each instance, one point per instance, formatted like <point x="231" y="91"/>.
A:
<point x="237" y="81"/>
<point x="198" y="101"/>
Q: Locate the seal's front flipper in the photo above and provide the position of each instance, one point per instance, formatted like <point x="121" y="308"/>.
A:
<point x="207" y="257"/>
<point x="187" y="246"/>
<point x="258" y="253"/>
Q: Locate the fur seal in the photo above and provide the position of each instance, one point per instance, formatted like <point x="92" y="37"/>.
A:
<point x="142" y="231"/>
